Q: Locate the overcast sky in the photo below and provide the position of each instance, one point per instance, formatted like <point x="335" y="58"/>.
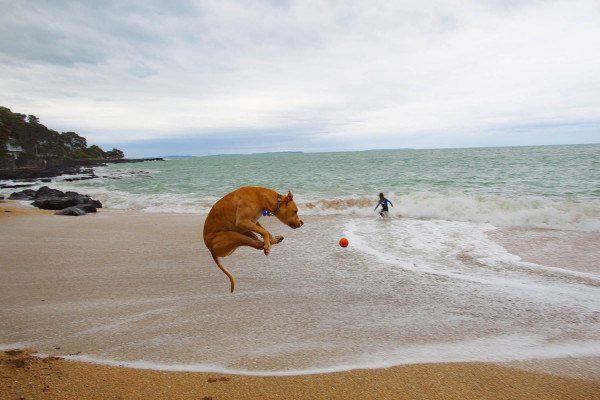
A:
<point x="231" y="76"/>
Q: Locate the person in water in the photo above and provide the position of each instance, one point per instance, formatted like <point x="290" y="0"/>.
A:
<point x="383" y="202"/>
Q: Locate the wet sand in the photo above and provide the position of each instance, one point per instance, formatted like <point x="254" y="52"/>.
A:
<point x="574" y="250"/>
<point x="25" y="377"/>
<point x="578" y="251"/>
<point x="46" y="376"/>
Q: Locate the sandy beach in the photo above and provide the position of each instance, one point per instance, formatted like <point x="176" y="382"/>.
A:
<point x="32" y="240"/>
<point x="25" y="377"/>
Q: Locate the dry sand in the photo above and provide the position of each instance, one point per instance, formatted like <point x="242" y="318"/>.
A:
<point x="24" y="375"/>
<point x="9" y="208"/>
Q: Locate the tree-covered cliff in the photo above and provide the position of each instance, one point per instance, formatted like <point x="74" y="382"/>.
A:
<point x="24" y="141"/>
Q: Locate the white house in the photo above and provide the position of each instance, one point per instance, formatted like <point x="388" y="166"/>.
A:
<point x="13" y="151"/>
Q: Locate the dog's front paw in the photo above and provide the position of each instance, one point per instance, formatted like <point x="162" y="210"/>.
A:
<point x="277" y="239"/>
<point x="267" y="248"/>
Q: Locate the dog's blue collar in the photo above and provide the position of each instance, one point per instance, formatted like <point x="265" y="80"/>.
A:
<point x="265" y="212"/>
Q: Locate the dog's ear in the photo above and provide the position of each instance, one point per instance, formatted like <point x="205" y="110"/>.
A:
<point x="290" y="196"/>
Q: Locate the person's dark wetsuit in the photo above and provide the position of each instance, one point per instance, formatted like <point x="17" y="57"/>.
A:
<point x="383" y="202"/>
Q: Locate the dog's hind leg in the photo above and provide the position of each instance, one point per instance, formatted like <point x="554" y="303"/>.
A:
<point x="223" y="244"/>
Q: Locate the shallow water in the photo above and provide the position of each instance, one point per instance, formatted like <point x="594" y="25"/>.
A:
<point x="403" y="291"/>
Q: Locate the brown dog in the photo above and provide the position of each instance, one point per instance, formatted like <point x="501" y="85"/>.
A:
<point x="232" y="221"/>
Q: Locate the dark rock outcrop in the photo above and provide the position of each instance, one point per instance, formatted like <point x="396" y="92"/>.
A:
<point x="73" y="211"/>
<point x="70" y="203"/>
<point x="55" y="203"/>
<point x="26" y="194"/>
<point x="55" y="168"/>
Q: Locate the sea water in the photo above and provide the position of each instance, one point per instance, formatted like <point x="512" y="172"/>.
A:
<point x="426" y="284"/>
<point x="555" y="187"/>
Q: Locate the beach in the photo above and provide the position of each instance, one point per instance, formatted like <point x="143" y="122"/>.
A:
<point x="64" y="274"/>
<point x="26" y="377"/>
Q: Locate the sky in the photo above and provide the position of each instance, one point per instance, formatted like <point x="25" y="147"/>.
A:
<point x="201" y="77"/>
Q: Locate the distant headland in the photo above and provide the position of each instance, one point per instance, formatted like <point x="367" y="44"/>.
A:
<point x="30" y="150"/>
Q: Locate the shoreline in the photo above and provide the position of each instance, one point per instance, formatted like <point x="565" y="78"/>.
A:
<point x="21" y="175"/>
<point x="26" y="375"/>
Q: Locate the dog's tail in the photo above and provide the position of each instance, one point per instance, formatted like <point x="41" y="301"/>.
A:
<point x="224" y="270"/>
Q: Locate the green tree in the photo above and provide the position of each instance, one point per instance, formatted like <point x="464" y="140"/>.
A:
<point x="73" y="141"/>
<point x="114" y="154"/>
<point x="4" y="132"/>
<point x="79" y="155"/>
<point x="50" y="144"/>
<point x="94" y="152"/>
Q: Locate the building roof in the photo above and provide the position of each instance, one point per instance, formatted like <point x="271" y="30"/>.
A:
<point x="10" y="147"/>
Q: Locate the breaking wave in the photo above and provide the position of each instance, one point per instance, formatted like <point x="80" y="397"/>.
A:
<point x="454" y="206"/>
<point x="527" y="212"/>
<point x="499" y="211"/>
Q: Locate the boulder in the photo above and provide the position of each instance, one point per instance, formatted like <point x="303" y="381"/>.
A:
<point x="45" y="191"/>
<point x="74" y="211"/>
<point x="30" y="192"/>
<point x="27" y="194"/>
<point x="53" y="199"/>
<point x="55" y="203"/>
<point x="88" y="208"/>
<point x="84" y="199"/>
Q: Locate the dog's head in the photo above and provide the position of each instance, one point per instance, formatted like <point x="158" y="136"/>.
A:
<point x="288" y="212"/>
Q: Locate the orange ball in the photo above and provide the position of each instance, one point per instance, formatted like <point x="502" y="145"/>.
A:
<point x="343" y="242"/>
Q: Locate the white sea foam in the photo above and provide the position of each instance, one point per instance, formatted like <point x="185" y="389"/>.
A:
<point x="499" y="211"/>
<point x="457" y="250"/>
<point x="491" y="349"/>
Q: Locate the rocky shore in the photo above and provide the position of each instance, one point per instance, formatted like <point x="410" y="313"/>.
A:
<point x="63" y="167"/>
<point x="69" y="203"/>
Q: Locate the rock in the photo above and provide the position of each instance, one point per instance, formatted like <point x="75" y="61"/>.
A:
<point x="62" y="167"/>
<point x="84" y="199"/>
<point x="22" y="195"/>
<point x="88" y="208"/>
<point x="53" y="199"/>
<point x="30" y="192"/>
<point x="45" y="191"/>
<point x="7" y="186"/>
<point x="75" y="211"/>
<point x="55" y="203"/>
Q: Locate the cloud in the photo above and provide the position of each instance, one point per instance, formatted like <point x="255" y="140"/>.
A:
<point x="332" y="74"/>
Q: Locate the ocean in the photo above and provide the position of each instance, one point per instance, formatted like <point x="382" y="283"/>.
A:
<point x="555" y="187"/>
<point x="426" y="284"/>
